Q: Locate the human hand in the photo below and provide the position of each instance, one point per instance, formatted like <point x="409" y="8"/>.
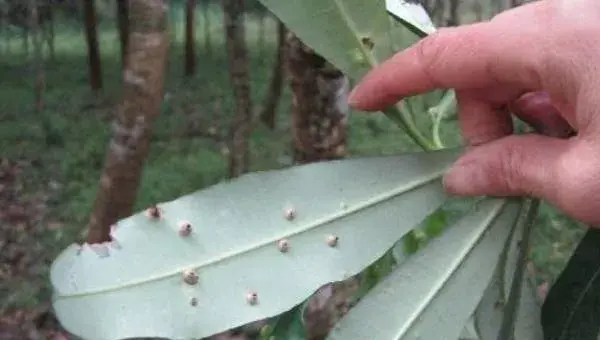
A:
<point x="540" y="61"/>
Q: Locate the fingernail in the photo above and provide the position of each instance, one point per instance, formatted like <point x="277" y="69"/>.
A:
<point x="464" y="178"/>
<point x="352" y="98"/>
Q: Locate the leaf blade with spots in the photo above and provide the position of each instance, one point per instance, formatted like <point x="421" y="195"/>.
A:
<point x="138" y="289"/>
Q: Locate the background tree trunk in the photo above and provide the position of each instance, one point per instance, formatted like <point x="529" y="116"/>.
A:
<point x="454" y="15"/>
<point x="237" y="56"/>
<point x="206" y="21"/>
<point x="91" y="37"/>
<point x="268" y="114"/>
<point x="143" y="92"/>
<point x="123" y="22"/>
<point x="320" y="111"/>
<point x="190" y="40"/>
<point x="320" y="108"/>
<point x="48" y="27"/>
<point x="38" y="58"/>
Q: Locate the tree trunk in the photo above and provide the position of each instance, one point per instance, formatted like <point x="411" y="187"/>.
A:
<point x="319" y="121"/>
<point x="268" y="115"/>
<point x="38" y="59"/>
<point x="515" y="3"/>
<point x="123" y="22"/>
<point x="320" y="107"/>
<point x="142" y="96"/>
<point x="91" y="37"/>
<point x="49" y="29"/>
<point x="454" y="19"/>
<point x="190" y="40"/>
<point x="207" y="36"/>
<point x="262" y="16"/>
<point x="239" y="73"/>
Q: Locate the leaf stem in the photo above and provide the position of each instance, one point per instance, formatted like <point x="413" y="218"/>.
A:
<point x="400" y="115"/>
<point x="439" y="112"/>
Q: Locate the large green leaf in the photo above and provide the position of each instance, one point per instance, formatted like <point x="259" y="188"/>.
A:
<point x="412" y="15"/>
<point x="134" y="287"/>
<point x="508" y="306"/>
<point x="434" y="292"/>
<point x="570" y="310"/>
<point x="354" y="35"/>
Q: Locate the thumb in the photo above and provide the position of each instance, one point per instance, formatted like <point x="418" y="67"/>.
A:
<point x="524" y="165"/>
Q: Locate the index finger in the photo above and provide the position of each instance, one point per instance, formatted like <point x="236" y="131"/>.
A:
<point x="480" y="55"/>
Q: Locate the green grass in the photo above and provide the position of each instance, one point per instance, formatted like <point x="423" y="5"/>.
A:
<point x="67" y="143"/>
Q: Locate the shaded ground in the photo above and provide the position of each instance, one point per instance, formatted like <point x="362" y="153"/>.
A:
<point x="23" y="258"/>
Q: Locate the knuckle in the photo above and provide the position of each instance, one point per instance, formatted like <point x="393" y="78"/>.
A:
<point x="429" y="53"/>
<point x="511" y="175"/>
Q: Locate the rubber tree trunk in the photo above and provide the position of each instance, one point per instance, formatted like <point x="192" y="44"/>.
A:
<point x="123" y="23"/>
<point x="239" y="74"/>
<point x="142" y="96"/>
<point x="454" y="15"/>
<point x="268" y="114"/>
<point x="91" y="38"/>
<point x="206" y="21"/>
<point x="38" y="58"/>
<point x="319" y="123"/>
<point x="48" y="27"/>
<point x="320" y="106"/>
<point x="190" y="40"/>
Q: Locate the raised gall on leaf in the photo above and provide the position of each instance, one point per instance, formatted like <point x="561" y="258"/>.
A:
<point x="185" y="228"/>
<point x="332" y="240"/>
<point x="190" y="277"/>
<point x="252" y="298"/>
<point x="283" y="245"/>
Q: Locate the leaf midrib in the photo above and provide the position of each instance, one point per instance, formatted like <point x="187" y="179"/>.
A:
<point x="454" y="267"/>
<point x="352" y="28"/>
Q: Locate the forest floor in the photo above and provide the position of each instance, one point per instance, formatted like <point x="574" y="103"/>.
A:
<point x="50" y="162"/>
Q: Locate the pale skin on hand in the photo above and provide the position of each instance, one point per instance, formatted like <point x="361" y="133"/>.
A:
<point x="541" y="62"/>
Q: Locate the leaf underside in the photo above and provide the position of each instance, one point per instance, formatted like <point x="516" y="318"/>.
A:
<point x="133" y="287"/>
<point x="571" y="309"/>
<point x="354" y="35"/>
<point x="508" y="309"/>
<point x="435" y="291"/>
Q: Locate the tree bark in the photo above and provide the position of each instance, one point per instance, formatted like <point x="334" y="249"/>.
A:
<point x="38" y="59"/>
<point x="319" y="122"/>
<point x="239" y="74"/>
<point x="268" y="115"/>
<point x="123" y="22"/>
<point x="454" y="19"/>
<point x="190" y="40"/>
<point x="91" y="38"/>
<point x="320" y="107"/>
<point x="207" y="35"/>
<point x="262" y="16"/>
<point x="142" y="96"/>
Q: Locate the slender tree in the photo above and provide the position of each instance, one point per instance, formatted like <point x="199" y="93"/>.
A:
<point x="262" y="18"/>
<point x="206" y="21"/>
<point x="190" y="40"/>
<point x="123" y="23"/>
<point x="268" y="114"/>
<point x="38" y="59"/>
<point x="319" y="118"/>
<point x="454" y="15"/>
<point x="91" y="38"/>
<point x="239" y="73"/>
<point x="320" y="108"/>
<point x="142" y="96"/>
